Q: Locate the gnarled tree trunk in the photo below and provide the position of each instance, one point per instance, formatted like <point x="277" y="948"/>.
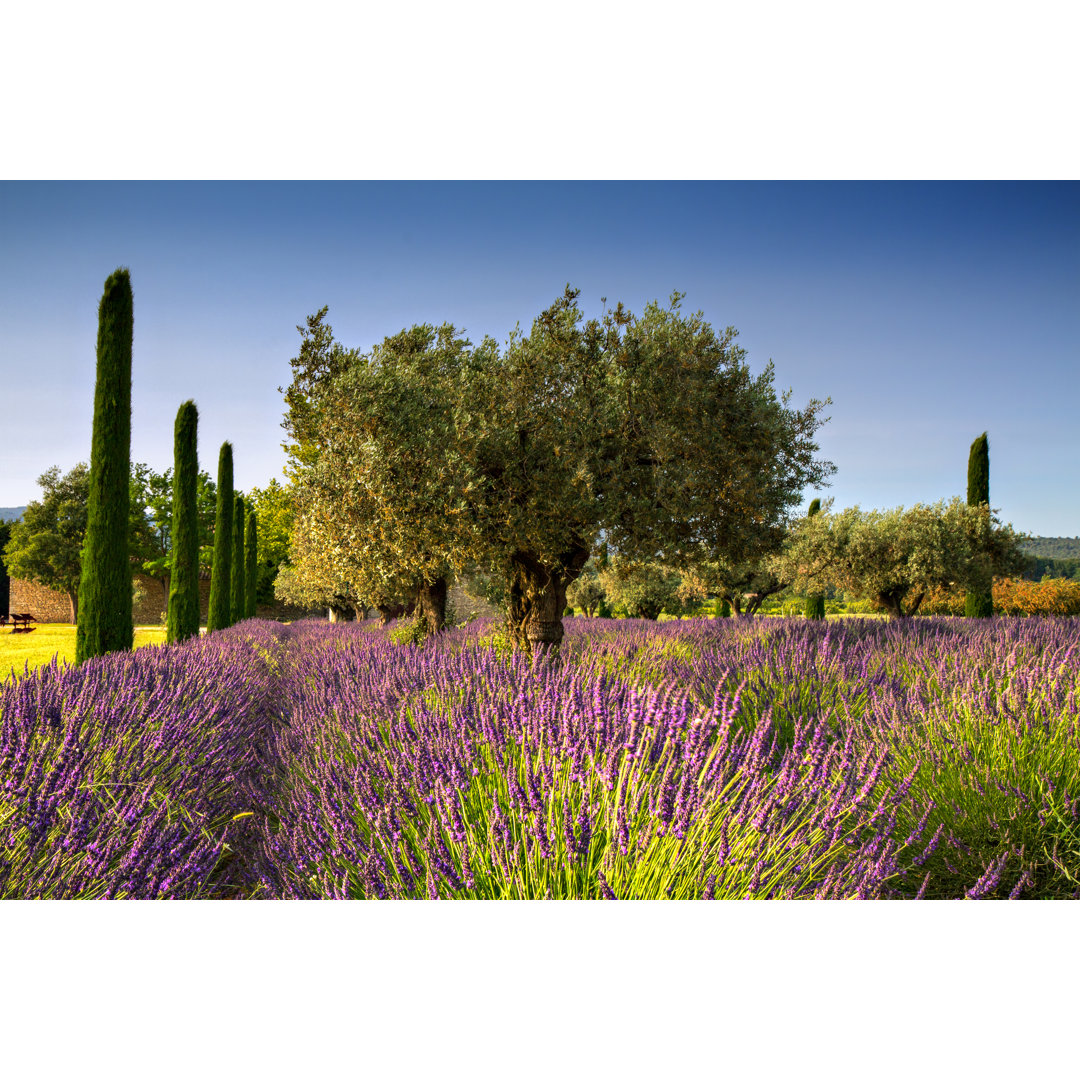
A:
<point x="893" y="603"/>
<point x="431" y="598"/>
<point x="538" y="598"/>
<point x="341" y="610"/>
<point x="388" y="611"/>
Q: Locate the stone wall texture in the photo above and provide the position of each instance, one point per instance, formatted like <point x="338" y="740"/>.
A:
<point x="52" y="606"/>
<point x="46" y="605"/>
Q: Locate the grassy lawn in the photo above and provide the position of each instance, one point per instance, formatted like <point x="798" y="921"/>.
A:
<point x="52" y="639"/>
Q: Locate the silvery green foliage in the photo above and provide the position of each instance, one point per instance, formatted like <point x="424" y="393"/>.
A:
<point x="894" y="557"/>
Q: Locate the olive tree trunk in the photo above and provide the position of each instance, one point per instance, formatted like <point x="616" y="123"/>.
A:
<point x="893" y="603"/>
<point x="538" y="597"/>
<point x="388" y="611"/>
<point x="341" y="610"/>
<point x="431" y="602"/>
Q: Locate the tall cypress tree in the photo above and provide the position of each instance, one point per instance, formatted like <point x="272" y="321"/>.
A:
<point x="105" y="622"/>
<point x="220" y="596"/>
<point x="251" y="567"/>
<point x="183" y="618"/>
<point x="815" y="605"/>
<point x="979" y="602"/>
<point x="237" y="591"/>
<point x="5" y="581"/>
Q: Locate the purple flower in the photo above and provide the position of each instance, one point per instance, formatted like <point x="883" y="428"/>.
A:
<point x="606" y="892"/>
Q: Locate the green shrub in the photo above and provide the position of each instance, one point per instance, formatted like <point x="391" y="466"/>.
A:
<point x="410" y="631"/>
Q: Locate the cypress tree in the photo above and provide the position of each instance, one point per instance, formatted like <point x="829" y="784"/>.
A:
<point x="251" y="568"/>
<point x="220" y="597"/>
<point x="105" y="622"/>
<point x="237" y="590"/>
<point x="5" y="581"/>
<point x="815" y="605"/>
<point x="183" y="617"/>
<point x="979" y="601"/>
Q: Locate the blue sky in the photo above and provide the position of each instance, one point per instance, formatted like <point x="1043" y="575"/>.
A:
<point x="929" y="312"/>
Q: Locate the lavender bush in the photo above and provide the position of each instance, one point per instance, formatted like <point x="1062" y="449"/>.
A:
<point x="698" y="759"/>
<point x="127" y="776"/>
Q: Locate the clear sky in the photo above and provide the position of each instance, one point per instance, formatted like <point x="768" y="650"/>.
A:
<point x="929" y="312"/>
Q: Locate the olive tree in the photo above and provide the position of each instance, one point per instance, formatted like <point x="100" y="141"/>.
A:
<point x="381" y="475"/>
<point x="586" y="591"/>
<point x="895" y="557"/>
<point x="643" y="590"/>
<point x="743" y="583"/>
<point x="323" y="570"/>
<point x="428" y="454"/>
<point x="650" y="430"/>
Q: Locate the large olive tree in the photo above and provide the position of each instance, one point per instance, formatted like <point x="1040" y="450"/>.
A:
<point x="427" y="453"/>
<point x="381" y="475"/>
<point x="648" y="429"/>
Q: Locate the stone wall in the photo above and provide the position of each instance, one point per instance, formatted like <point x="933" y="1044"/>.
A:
<point x="52" y="606"/>
<point x="147" y="609"/>
<point x="46" y="605"/>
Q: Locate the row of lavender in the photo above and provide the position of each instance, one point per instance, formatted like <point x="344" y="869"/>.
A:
<point x="773" y="758"/>
<point x="131" y="775"/>
<point x="767" y="758"/>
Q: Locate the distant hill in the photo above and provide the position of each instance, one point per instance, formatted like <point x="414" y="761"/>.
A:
<point x="1052" y="556"/>
<point x="1054" y="547"/>
<point x="11" y="513"/>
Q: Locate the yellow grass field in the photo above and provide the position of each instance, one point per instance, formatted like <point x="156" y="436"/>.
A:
<point x="51" y="639"/>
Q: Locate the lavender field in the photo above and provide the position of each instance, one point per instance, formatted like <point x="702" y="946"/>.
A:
<point x="767" y="758"/>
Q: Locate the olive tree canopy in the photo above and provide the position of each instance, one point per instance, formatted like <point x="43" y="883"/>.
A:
<point x="428" y="454"/>
<point x="894" y="557"/>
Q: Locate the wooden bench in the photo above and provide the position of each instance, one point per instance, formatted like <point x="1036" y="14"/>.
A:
<point x="20" y="623"/>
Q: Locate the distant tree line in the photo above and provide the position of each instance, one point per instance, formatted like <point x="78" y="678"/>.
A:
<point x="46" y="545"/>
<point x="1038" y="567"/>
<point x="1053" y="547"/>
